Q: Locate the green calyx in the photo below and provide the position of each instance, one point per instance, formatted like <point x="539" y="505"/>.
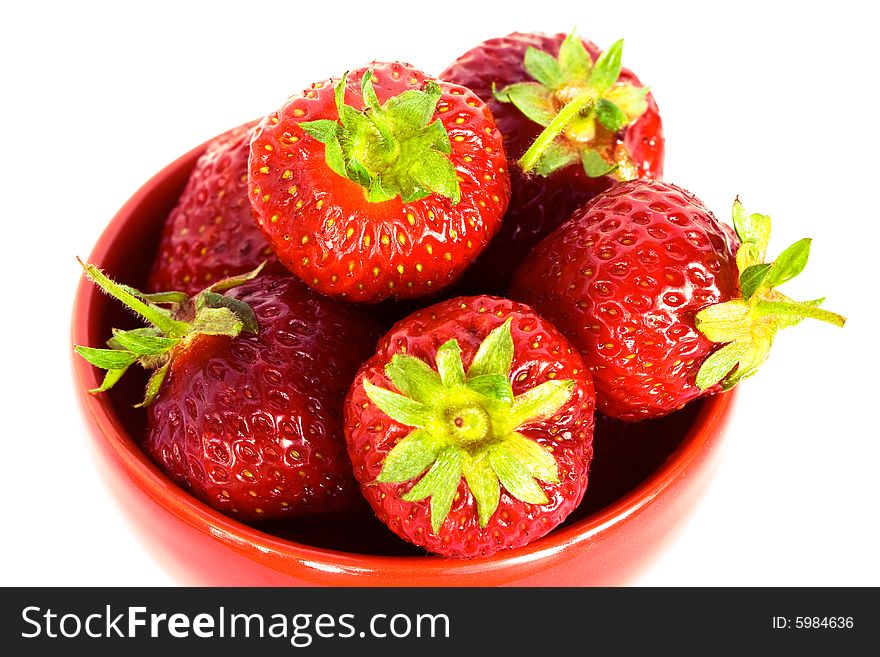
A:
<point x="392" y="149"/>
<point x="748" y="325"/>
<point x="582" y="107"/>
<point x="465" y="424"/>
<point x="174" y="318"/>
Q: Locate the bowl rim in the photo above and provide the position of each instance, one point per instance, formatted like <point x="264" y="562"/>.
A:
<point x="266" y="547"/>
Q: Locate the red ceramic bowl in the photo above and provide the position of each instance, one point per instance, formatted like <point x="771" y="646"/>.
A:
<point x="644" y="479"/>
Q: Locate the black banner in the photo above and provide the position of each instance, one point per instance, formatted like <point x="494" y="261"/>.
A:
<point x="229" y="621"/>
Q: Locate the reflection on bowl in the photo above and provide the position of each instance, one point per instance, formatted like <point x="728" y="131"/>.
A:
<point x="644" y="478"/>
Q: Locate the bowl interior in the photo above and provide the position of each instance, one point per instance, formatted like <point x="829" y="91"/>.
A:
<point x="625" y="455"/>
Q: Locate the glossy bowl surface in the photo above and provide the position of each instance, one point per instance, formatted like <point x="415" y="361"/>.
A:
<point x="645" y="477"/>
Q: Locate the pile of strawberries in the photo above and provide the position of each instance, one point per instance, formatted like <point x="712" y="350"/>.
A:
<point x="508" y="218"/>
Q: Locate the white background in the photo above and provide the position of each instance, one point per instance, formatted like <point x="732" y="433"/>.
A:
<point x="775" y="102"/>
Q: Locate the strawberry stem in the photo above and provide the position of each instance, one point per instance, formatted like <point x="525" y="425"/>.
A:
<point x="155" y="316"/>
<point x="572" y="109"/>
<point x="208" y="313"/>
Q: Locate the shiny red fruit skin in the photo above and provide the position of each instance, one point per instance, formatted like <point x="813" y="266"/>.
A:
<point x="212" y="233"/>
<point x="540" y="353"/>
<point x="538" y="205"/>
<point x="325" y="231"/>
<point x="253" y="425"/>
<point x="623" y="280"/>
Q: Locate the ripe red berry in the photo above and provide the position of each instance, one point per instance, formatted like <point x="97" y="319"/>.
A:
<point x="528" y="80"/>
<point x="245" y="404"/>
<point x="647" y="284"/>
<point x="383" y="184"/>
<point x="470" y="429"/>
<point x="212" y="232"/>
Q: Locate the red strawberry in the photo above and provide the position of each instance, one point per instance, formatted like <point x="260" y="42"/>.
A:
<point x="384" y="184"/>
<point x="647" y="284"/>
<point x="212" y="233"/>
<point x="245" y="404"/>
<point x="470" y="430"/>
<point x="507" y="73"/>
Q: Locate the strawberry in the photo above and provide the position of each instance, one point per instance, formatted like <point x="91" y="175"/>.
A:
<point x="648" y="285"/>
<point x="382" y="184"/>
<point x="244" y="407"/>
<point x="470" y="429"/>
<point x="212" y="233"/>
<point x="532" y="81"/>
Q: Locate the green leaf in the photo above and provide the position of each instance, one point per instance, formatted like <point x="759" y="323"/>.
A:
<point x="107" y="359"/>
<point x="164" y="297"/>
<point x="154" y="385"/>
<point x="543" y="67"/>
<point x="725" y="322"/>
<point x="354" y="122"/>
<point x="239" y="308"/>
<point x="748" y="255"/>
<point x="534" y="457"/>
<point x="495" y="353"/>
<point x="339" y="96"/>
<point x="751" y="360"/>
<point x="368" y="92"/>
<point x="719" y="364"/>
<point x="493" y="386"/>
<point x="449" y="364"/>
<point x="532" y="99"/>
<point x="483" y="484"/>
<point x="323" y="130"/>
<point x="143" y="344"/>
<point x="335" y="158"/>
<point x="753" y="228"/>
<point x="555" y="157"/>
<point x="789" y="263"/>
<point x="441" y="484"/>
<point x="414" y="378"/>
<point x="431" y="137"/>
<point x="377" y="193"/>
<point x="438" y="138"/>
<point x="595" y="166"/>
<point x="357" y="172"/>
<point x="111" y="377"/>
<point x="752" y="278"/>
<point x="574" y="60"/>
<point x="113" y="343"/>
<point x="399" y="408"/>
<point x="632" y="100"/>
<point x="540" y="402"/>
<point x="436" y="173"/>
<point x="415" y="108"/>
<point x="413" y="192"/>
<point x="217" y="321"/>
<point x="410" y="457"/>
<point x="607" y="68"/>
<point x="514" y="477"/>
<point x="610" y="115"/>
<point x="235" y="281"/>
